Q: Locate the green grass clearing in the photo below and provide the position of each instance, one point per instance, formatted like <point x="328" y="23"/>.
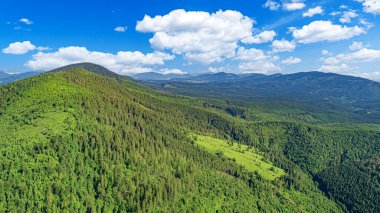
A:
<point x="242" y="154"/>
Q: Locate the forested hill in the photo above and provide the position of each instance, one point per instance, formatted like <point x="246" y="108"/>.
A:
<point x="81" y="138"/>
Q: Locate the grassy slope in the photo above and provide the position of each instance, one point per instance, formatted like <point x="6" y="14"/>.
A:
<point x="242" y="154"/>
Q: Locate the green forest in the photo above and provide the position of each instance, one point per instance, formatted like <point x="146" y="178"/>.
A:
<point x="83" y="139"/>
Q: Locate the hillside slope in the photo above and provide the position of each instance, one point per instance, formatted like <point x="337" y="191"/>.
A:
<point x="76" y="140"/>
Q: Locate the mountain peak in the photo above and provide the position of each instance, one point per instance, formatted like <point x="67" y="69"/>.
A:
<point x="94" y="68"/>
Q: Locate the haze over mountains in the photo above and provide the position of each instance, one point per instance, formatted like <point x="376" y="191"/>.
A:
<point x="8" y="78"/>
<point x="357" y="96"/>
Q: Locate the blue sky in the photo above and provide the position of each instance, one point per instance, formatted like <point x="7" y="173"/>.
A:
<point x="177" y="36"/>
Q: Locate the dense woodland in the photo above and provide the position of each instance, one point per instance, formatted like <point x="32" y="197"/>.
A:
<point x="84" y="139"/>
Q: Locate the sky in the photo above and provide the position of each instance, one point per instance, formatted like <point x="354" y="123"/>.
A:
<point x="193" y="36"/>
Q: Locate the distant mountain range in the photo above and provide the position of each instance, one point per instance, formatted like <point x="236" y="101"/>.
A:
<point x="359" y="95"/>
<point x="153" y="76"/>
<point x="8" y="78"/>
<point x="191" y="78"/>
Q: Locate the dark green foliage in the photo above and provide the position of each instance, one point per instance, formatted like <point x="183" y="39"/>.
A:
<point x="356" y="186"/>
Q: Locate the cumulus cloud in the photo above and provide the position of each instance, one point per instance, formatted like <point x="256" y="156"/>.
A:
<point x="19" y="48"/>
<point x="335" y="68"/>
<point x="287" y="5"/>
<point x="120" y="29"/>
<point x="263" y="37"/>
<point x="371" y="75"/>
<point x="361" y="55"/>
<point x="347" y="16"/>
<point x="216" y="69"/>
<point x="172" y="71"/>
<point x="283" y="46"/>
<point x="367" y="24"/>
<point x="201" y="37"/>
<point x="313" y="11"/>
<point x="318" y="31"/>
<point x="124" y="62"/>
<point x="25" y="21"/>
<point x="42" y="48"/>
<point x="272" y="5"/>
<point x="251" y="54"/>
<point x="256" y="61"/>
<point x="291" y="60"/>
<point x="356" y="45"/>
<point x="259" y="67"/>
<point x="371" y="6"/>
<point x="326" y="52"/>
<point x="293" y="5"/>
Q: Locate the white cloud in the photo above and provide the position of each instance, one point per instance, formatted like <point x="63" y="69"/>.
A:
<point x="42" y="48"/>
<point x="200" y="36"/>
<point x="294" y="5"/>
<point x="251" y="54"/>
<point x="371" y="6"/>
<point x="216" y="69"/>
<point x="318" y="31"/>
<point x="313" y="11"/>
<point x="326" y="52"/>
<point x="123" y="62"/>
<point x="25" y="21"/>
<point x="356" y="45"/>
<point x="272" y="5"/>
<point x="287" y="5"/>
<point x="335" y="13"/>
<point x="291" y="60"/>
<point x="335" y="68"/>
<point x="259" y="67"/>
<point x="283" y="46"/>
<point x="347" y="16"/>
<point x="19" y="48"/>
<point x="120" y="29"/>
<point x="367" y="24"/>
<point x="361" y="55"/>
<point x="263" y="37"/>
<point x="370" y="75"/>
<point x="256" y="61"/>
<point x="172" y="71"/>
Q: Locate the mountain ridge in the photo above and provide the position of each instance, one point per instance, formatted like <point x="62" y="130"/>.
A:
<point x="225" y="76"/>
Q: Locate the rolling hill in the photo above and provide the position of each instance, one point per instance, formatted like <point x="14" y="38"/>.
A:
<point x="82" y="138"/>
